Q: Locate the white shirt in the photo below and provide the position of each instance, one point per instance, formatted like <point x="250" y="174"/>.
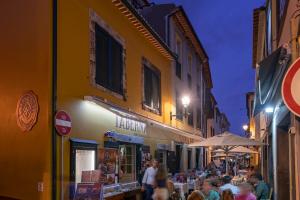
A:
<point x="234" y="189"/>
<point x="149" y="176"/>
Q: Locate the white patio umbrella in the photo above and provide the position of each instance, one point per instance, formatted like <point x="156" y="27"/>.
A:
<point x="239" y="149"/>
<point x="227" y="141"/>
<point x="217" y="155"/>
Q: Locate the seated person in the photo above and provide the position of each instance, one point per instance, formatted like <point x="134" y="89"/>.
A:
<point x="209" y="192"/>
<point x="261" y="188"/>
<point x="228" y="185"/>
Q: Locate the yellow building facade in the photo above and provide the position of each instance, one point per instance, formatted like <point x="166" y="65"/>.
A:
<point x="26" y="108"/>
<point x="97" y="110"/>
<point x="55" y="63"/>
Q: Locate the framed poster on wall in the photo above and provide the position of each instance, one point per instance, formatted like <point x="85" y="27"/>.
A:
<point x="108" y="165"/>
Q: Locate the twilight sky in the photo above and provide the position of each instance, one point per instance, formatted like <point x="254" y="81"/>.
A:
<point x="225" y="30"/>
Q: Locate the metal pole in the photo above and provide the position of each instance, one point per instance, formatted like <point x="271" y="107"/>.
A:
<point x="235" y="165"/>
<point x="62" y="167"/>
<point x="274" y="153"/>
<point x="226" y="160"/>
<point x="292" y="136"/>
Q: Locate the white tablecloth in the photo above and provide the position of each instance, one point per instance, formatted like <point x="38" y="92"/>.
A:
<point x="183" y="188"/>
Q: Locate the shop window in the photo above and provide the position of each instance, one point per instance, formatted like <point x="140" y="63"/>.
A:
<point x="190" y="116"/>
<point x="171" y="161"/>
<point x="178" y="152"/>
<point x="178" y="69"/>
<point x="152" y="91"/>
<point x="178" y="50"/>
<point x="127" y="163"/>
<point x="189" y="161"/>
<point x="179" y="107"/>
<point x="109" y="61"/>
<point x="189" y="78"/>
<point x="197" y="158"/>
<point x="161" y="157"/>
<point x="83" y="161"/>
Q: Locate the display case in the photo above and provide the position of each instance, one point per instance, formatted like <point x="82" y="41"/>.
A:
<point x="119" y="191"/>
<point x="112" y="190"/>
<point x="130" y="186"/>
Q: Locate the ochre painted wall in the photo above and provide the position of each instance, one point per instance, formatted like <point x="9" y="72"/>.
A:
<point x="25" y="64"/>
<point x="74" y="72"/>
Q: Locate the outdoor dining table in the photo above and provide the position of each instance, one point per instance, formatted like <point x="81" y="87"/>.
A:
<point x="237" y="180"/>
<point x="183" y="188"/>
<point x="193" y="184"/>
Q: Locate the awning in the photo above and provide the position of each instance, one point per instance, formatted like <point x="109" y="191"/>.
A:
<point x="270" y="74"/>
<point x="227" y="140"/>
<point x="125" y="138"/>
<point x="129" y="114"/>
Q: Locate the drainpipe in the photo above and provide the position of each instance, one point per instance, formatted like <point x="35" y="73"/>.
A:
<point x="274" y="152"/>
<point x="54" y="87"/>
<point x="294" y="129"/>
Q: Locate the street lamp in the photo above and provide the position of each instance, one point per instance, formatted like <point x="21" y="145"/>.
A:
<point x="185" y="100"/>
<point x="245" y="127"/>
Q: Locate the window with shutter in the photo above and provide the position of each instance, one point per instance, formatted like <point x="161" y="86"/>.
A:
<point x="152" y="90"/>
<point x="189" y="78"/>
<point x="178" y="69"/>
<point x="190" y="116"/>
<point x="109" y="61"/>
<point x="179" y="107"/>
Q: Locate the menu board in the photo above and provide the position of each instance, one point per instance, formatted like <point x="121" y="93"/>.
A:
<point x="90" y="191"/>
<point x="91" y="176"/>
<point x="107" y="165"/>
<point x="146" y="157"/>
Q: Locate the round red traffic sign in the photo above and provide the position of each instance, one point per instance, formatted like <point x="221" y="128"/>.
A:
<point x="63" y="123"/>
<point x="291" y="88"/>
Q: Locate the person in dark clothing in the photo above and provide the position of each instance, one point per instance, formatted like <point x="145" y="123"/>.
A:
<point x="261" y="188"/>
<point x="161" y="190"/>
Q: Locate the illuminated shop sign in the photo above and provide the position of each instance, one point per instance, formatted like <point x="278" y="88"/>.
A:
<point x="129" y="124"/>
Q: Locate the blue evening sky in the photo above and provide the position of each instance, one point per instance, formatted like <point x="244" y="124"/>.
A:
<point x="225" y="30"/>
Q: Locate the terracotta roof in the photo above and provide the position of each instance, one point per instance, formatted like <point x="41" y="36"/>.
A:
<point x="141" y="24"/>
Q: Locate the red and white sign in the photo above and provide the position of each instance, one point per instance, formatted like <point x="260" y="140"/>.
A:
<point x="63" y="123"/>
<point x="291" y="88"/>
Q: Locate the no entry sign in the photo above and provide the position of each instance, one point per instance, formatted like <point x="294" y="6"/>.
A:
<point x="291" y="88"/>
<point x="63" y="123"/>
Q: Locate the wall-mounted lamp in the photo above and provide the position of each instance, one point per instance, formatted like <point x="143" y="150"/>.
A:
<point x="185" y="100"/>
<point x="269" y="109"/>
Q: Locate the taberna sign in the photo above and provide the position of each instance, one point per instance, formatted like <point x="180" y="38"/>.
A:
<point x="130" y="124"/>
